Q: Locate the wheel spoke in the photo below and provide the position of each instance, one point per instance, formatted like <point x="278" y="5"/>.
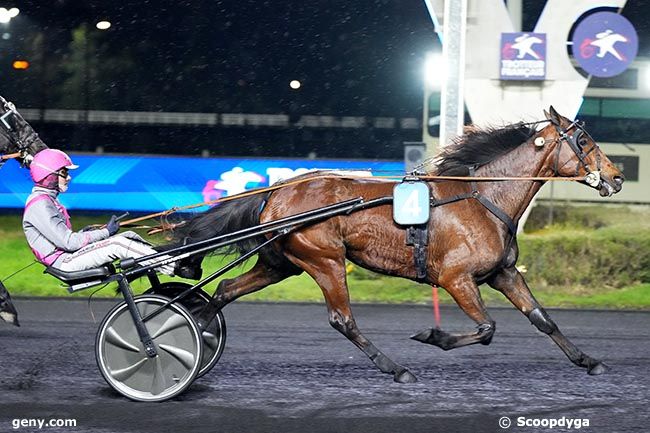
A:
<point x="158" y="384"/>
<point x="174" y="322"/>
<point x="125" y="373"/>
<point x="183" y="356"/>
<point x="116" y="340"/>
<point x="210" y="340"/>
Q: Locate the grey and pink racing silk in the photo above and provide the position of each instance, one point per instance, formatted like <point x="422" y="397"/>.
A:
<point x="47" y="227"/>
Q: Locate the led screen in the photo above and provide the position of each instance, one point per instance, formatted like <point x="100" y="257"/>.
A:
<point x="150" y="184"/>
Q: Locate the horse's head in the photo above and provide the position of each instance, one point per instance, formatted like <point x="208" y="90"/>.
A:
<point x="577" y="154"/>
<point x="16" y="135"/>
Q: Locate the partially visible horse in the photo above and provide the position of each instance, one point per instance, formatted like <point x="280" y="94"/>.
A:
<point x="472" y="238"/>
<point x="16" y="136"/>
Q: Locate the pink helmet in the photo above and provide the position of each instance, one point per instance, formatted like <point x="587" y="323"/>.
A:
<point x="47" y="162"/>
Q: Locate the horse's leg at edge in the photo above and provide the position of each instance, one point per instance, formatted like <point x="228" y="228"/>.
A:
<point x="512" y="284"/>
<point x="8" y="312"/>
<point x="257" y="278"/>
<point x="329" y="274"/>
<point x="466" y="294"/>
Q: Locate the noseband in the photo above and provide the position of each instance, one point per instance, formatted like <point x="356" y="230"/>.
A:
<point x="576" y="142"/>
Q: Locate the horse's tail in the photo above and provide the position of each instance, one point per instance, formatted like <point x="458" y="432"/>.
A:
<point x="225" y="218"/>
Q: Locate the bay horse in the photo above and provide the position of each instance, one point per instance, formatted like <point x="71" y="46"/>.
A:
<point x="16" y="136"/>
<point x="472" y="240"/>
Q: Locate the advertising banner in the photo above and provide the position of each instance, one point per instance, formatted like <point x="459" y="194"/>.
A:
<point x="152" y="184"/>
<point x="523" y="56"/>
<point x="604" y="44"/>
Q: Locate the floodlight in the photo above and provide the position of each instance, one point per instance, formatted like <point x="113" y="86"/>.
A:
<point x="434" y="70"/>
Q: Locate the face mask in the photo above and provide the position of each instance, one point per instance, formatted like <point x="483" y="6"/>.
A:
<point x="63" y="183"/>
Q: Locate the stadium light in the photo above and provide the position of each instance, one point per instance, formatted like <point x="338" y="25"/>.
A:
<point x="295" y="84"/>
<point x="103" y="25"/>
<point x="7" y="14"/>
<point x="20" y="64"/>
<point x="434" y="71"/>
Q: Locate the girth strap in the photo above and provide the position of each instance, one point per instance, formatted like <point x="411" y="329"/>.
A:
<point x="418" y="236"/>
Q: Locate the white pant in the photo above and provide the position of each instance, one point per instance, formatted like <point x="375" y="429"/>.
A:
<point x="122" y="246"/>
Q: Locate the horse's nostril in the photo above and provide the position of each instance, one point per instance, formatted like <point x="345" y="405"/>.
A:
<point x="619" y="180"/>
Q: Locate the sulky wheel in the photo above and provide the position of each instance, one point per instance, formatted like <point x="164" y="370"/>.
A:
<point x="214" y="336"/>
<point x="124" y="364"/>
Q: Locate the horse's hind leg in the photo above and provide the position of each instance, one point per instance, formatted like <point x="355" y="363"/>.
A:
<point x="512" y="284"/>
<point x="327" y="268"/>
<point x="257" y="278"/>
<point x="466" y="294"/>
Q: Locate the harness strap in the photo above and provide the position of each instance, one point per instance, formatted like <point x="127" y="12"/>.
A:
<point x="418" y="236"/>
<point x="497" y="213"/>
<point x="455" y="198"/>
<point x="494" y="209"/>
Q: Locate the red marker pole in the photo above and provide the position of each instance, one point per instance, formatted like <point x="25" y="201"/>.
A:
<point x="436" y="305"/>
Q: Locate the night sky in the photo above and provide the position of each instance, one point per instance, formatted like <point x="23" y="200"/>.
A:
<point x="353" y="58"/>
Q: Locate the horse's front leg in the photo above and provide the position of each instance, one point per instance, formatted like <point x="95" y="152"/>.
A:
<point x="512" y="284"/>
<point x="8" y="312"/>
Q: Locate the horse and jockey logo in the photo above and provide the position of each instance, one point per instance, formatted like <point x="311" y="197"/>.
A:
<point x="604" y="44"/>
<point x="523" y="56"/>
<point x="232" y="182"/>
<point x="524" y="46"/>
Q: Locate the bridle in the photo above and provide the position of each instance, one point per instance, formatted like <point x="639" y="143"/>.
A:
<point x="576" y="142"/>
<point x="9" y="130"/>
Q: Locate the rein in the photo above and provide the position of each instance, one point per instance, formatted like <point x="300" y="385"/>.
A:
<point x="498" y="178"/>
<point x="572" y="140"/>
<point x="167" y="226"/>
<point x="10" y="156"/>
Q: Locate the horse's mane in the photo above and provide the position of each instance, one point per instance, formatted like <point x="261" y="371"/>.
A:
<point x="478" y="146"/>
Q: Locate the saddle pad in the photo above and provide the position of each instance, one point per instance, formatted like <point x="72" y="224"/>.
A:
<point x="411" y="203"/>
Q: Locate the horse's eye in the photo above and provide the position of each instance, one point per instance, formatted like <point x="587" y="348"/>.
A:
<point x="582" y="141"/>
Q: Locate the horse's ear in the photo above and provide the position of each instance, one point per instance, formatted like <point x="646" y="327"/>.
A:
<point x="553" y="115"/>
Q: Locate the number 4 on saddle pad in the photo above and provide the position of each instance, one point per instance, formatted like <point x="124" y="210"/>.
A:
<point x="411" y="203"/>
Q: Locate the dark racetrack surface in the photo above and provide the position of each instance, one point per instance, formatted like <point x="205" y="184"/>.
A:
<point x="286" y="370"/>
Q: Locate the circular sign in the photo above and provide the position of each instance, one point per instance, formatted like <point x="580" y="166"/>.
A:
<point x="604" y="44"/>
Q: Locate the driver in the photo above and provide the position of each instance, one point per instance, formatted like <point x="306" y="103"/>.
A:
<point x="46" y="224"/>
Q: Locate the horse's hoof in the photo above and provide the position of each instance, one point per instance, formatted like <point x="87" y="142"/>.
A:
<point x="422" y="336"/>
<point x="405" y="376"/>
<point x="436" y="337"/>
<point x="598" y="368"/>
<point x="9" y="317"/>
